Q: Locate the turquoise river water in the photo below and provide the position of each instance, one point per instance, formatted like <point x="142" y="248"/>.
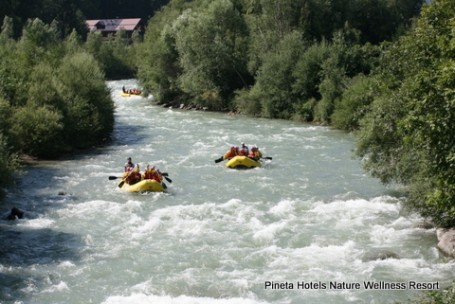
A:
<point x="308" y="227"/>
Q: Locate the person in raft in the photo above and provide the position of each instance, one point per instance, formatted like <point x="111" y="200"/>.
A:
<point x="133" y="176"/>
<point x="131" y="91"/>
<point x="244" y="151"/>
<point x="232" y="152"/>
<point x="255" y="153"/>
<point x="153" y="173"/>
<point x="128" y="165"/>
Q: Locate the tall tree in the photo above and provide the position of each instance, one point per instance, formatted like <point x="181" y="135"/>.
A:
<point x="408" y="136"/>
<point x="212" y="48"/>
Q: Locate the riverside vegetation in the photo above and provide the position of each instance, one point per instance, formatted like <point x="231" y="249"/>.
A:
<point x="384" y="70"/>
<point x="53" y="96"/>
<point x="370" y="71"/>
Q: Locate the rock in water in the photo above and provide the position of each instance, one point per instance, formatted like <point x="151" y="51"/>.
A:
<point x="446" y="238"/>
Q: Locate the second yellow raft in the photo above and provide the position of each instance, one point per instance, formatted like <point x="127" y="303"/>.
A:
<point x="144" y="185"/>
<point x="242" y="162"/>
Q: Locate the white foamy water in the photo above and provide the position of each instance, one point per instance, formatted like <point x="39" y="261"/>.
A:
<point x="293" y="231"/>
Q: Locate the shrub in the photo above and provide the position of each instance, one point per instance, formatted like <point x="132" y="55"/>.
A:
<point x="37" y="131"/>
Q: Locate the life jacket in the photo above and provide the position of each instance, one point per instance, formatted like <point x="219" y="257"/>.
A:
<point x="153" y="174"/>
<point x="134" y="176"/>
<point x="157" y="176"/>
<point x="255" y="153"/>
<point x="230" y="154"/>
<point x="243" y="152"/>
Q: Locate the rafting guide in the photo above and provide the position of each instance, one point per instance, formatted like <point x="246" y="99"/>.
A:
<point x="340" y="285"/>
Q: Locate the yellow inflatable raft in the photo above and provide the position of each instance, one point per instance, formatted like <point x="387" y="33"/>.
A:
<point x="242" y="162"/>
<point x="143" y="186"/>
<point x="123" y="94"/>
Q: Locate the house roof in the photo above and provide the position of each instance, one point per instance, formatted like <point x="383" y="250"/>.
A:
<point x="113" y="25"/>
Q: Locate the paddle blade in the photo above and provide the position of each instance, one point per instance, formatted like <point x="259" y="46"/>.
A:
<point x="268" y="157"/>
<point x="168" y="179"/>
<point x="164" y="185"/>
<point x="113" y="177"/>
<point x="219" y="160"/>
<point x="120" y="185"/>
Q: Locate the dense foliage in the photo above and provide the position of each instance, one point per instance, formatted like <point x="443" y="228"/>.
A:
<point x="367" y="70"/>
<point x="53" y="96"/>
<point x="277" y="59"/>
<point x="408" y="134"/>
<point x="445" y="296"/>
<point x="115" y="54"/>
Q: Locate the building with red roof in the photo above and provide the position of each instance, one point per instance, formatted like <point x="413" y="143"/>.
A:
<point x="112" y="26"/>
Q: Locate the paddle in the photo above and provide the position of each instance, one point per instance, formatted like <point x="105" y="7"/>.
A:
<point x="257" y="159"/>
<point x="165" y="174"/>
<point x="221" y="159"/>
<point x="115" y="177"/>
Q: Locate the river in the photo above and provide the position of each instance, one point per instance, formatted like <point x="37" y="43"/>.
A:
<point x="308" y="227"/>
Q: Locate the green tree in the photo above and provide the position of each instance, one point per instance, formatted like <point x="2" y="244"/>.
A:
<point x="212" y="50"/>
<point x="88" y="117"/>
<point x="115" y="54"/>
<point x="275" y="78"/>
<point x="445" y="296"/>
<point x="333" y="74"/>
<point x="13" y="74"/>
<point x="44" y="97"/>
<point x="6" y="112"/>
<point x="9" y="161"/>
<point x="269" y="21"/>
<point x="209" y="51"/>
<point x="408" y="136"/>
<point x="159" y="66"/>
<point x="93" y="44"/>
<point x="73" y="43"/>
<point x="379" y="21"/>
<point x="39" y="42"/>
<point x="37" y="131"/>
<point x="354" y="102"/>
<point x="7" y="30"/>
